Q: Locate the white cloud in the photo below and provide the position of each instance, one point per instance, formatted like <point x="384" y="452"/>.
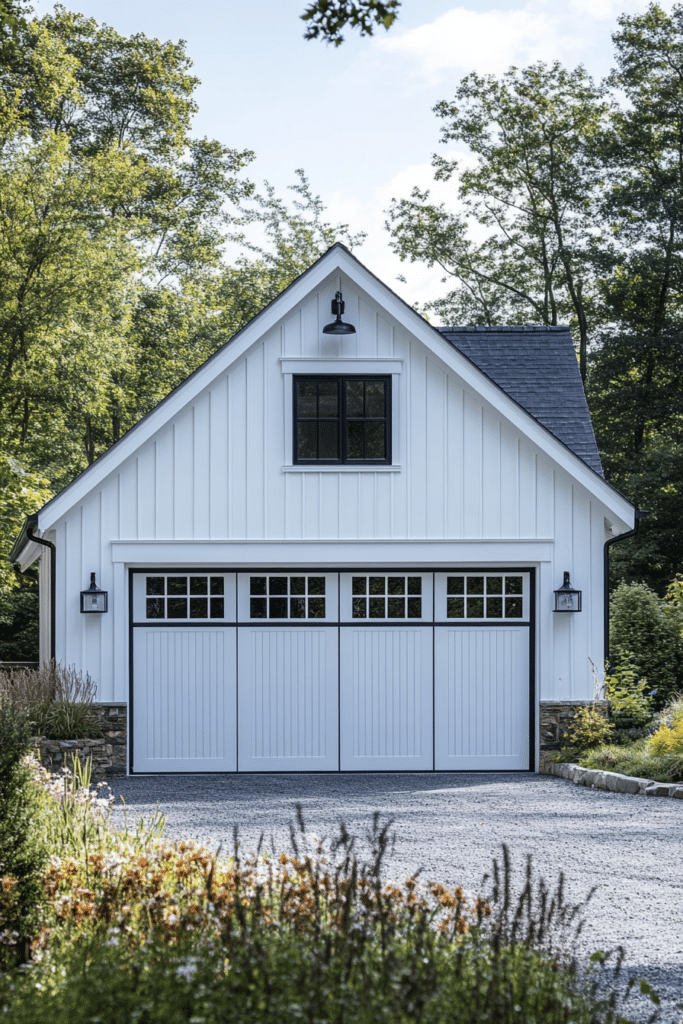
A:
<point x="488" y="41"/>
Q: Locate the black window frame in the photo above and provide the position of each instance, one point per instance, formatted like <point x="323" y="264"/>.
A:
<point x="344" y="459"/>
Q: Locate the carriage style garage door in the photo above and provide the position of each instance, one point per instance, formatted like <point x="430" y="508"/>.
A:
<point x="377" y="670"/>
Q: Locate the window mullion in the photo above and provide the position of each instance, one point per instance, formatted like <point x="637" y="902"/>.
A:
<point x="342" y="425"/>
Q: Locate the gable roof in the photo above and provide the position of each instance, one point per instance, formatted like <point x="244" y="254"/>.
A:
<point x="339" y="260"/>
<point x="537" y="367"/>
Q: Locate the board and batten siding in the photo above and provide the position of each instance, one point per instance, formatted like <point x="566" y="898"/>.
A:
<point x="221" y="471"/>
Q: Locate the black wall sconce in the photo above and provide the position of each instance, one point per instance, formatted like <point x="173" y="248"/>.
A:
<point x="338" y="327"/>
<point x="93" y="599"/>
<point x="567" y="599"/>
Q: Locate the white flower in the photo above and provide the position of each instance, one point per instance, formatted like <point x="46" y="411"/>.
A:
<point x="186" y="971"/>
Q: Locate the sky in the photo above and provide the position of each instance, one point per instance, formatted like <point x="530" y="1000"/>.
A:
<point x="357" y="118"/>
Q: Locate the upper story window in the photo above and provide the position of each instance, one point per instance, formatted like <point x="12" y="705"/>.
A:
<point x="342" y="419"/>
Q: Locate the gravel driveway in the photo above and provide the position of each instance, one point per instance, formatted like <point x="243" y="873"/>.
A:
<point x="630" y="847"/>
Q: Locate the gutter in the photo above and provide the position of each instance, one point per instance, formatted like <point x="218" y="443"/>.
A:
<point x="640" y="514"/>
<point x="28" y="534"/>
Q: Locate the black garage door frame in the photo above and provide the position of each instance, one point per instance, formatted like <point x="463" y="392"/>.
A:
<point x="278" y="623"/>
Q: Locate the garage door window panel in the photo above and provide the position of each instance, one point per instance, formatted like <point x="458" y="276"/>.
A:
<point x="184" y="597"/>
<point x="282" y="597"/>
<point x="388" y="597"/>
<point x="480" y="597"/>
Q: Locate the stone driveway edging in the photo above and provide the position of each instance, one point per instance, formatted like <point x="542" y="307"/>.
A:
<point x="611" y="781"/>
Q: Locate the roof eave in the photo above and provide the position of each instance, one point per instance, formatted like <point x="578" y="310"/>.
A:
<point x="25" y="551"/>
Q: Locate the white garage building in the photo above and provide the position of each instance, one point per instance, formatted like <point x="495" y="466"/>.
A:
<point x="339" y="551"/>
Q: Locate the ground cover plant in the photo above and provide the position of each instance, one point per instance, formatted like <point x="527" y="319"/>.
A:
<point x="136" y="928"/>
<point x="652" y="752"/>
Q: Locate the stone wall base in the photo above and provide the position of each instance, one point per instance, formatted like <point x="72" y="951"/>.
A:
<point x="109" y="753"/>
<point x="556" y="716"/>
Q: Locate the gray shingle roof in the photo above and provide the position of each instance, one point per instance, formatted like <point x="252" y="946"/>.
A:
<point x="537" y="367"/>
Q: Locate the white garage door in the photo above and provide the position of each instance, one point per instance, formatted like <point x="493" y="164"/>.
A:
<point x="386" y="661"/>
<point x="184" y="672"/>
<point x="288" y="708"/>
<point x="481" y="677"/>
<point x="324" y="671"/>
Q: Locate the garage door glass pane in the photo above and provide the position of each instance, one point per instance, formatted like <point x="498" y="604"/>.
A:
<point x="177" y="608"/>
<point x="485" y="597"/>
<point x="199" y="608"/>
<point x="185" y="597"/>
<point x="383" y="597"/>
<point x="290" y="597"/>
<point x="155" y="608"/>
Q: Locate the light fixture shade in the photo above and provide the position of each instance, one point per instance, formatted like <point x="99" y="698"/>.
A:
<point x="93" y="599"/>
<point x="567" y="599"/>
<point x="338" y="327"/>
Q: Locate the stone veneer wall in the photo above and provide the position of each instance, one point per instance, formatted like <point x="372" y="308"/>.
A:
<point x="556" y="717"/>
<point x="109" y="754"/>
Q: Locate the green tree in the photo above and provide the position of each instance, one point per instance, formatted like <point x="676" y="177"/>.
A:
<point x="533" y="190"/>
<point x="635" y="387"/>
<point x="645" y="639"/>
<point x="106" y="196"/>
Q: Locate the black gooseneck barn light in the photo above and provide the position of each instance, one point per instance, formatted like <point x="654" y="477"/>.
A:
<point x="338" y="327"/>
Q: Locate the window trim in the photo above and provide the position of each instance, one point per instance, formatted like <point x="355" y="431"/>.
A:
<point x="321" y="365"/>
<point x="344" y="460"/>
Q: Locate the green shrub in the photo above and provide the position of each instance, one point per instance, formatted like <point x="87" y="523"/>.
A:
<point x="645" y="637"/>
<point x="629" y="702"/>
<point x="589" y="728"/>
<point x="23" y="854"/>
<point x="57" y="700"/>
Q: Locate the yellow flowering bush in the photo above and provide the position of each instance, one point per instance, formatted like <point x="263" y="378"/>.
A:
<point x="669" y="736"/>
